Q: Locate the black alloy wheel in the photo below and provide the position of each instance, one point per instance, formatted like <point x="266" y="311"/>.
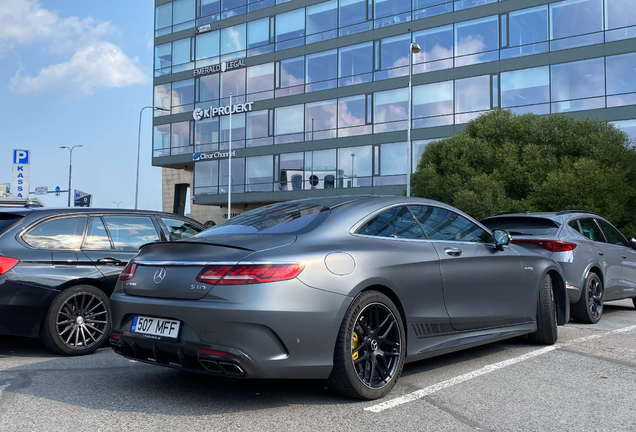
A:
<point x="77" y="322"/>
<point x="370" y="350"/>
<point x="589" y="308"/>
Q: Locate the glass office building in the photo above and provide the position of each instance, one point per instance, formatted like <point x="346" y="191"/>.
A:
<point x="320" y="88"/>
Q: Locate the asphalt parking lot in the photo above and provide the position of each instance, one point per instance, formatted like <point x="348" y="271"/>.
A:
<point x="585" y="382"/>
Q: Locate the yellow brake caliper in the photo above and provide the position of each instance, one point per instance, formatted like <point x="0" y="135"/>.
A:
<point x="354" y="345"/>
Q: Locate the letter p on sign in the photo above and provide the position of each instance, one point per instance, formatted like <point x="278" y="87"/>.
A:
<point x="21" y="157"/>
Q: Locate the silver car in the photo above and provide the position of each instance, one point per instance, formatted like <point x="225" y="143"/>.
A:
<point x="599" y="263"/>
<point x="343" y="288"/>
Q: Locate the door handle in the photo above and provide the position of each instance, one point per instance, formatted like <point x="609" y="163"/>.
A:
<point x="600" y="253"/>
<point x="109" y="261"/>
<point x="453" y="251"/>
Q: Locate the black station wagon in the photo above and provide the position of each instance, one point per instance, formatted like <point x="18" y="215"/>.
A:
<point x="58" y="268"/>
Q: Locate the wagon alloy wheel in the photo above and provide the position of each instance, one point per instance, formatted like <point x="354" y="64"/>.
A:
<point x="82" y="320"/>
<point x="77" y="322"/>
<point x="377" y="354"/>
<point x="589" y="308"/>
<point x="370" y="348"/>
<point x="595" y="298"/>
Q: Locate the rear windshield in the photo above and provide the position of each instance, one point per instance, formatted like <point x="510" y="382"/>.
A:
<point x="7" y="220"/>
<point x="273" y="219"/>
<point x="532" y="226"/>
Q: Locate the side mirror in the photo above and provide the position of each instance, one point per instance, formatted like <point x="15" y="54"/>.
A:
<point x="502" y="238"/>
<point x="632" y="243"/>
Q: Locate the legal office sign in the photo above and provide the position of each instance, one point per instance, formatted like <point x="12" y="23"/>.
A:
<point x="200" y="114"/>
<point x="221" y="67"/>
<point x="20" y="180"/>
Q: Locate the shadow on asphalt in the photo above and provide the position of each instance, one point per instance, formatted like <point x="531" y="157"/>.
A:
<point x="106" y="381"/>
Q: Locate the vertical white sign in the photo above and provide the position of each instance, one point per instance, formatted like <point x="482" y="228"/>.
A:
<point x="20" y="181"/>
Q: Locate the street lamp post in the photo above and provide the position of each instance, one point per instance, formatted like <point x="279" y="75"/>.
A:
<point x="118" y="202"/>
<point x="139" y="148"/>
<point x="70" y="169"/>
<point x="229" y="168"/>
<point x="413" y="49"/>
<point x="353" y="157"/>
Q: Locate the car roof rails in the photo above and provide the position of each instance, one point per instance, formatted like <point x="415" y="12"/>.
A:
<point x="562" y="212"/>
<point x="509" y="213"/>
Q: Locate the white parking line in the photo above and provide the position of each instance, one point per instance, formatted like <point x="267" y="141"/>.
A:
<point x="486" y="369"/>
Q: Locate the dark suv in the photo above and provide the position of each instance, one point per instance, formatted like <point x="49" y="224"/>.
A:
<point x="58" y="268"/>
<point x="598" y="262"/>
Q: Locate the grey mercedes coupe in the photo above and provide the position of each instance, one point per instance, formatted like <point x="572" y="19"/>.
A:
<point x="346" y="289"/>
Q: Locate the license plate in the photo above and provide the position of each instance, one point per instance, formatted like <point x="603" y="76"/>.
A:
<point x="155" y="326"/>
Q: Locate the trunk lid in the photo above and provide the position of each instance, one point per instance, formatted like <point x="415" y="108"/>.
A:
<point x="169" y="269"/>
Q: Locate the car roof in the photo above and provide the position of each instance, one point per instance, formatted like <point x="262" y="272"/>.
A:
<point x="565" y="214"/>
<point x="48" y="211"/>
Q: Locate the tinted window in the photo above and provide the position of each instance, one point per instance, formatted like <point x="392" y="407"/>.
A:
<point x="130" y="232"/>
<point x="272" y="219"/>
<point x="65" y="233"/>
<point x="440" y="224"/>
<point x="613" y="235"/>
<point x="96" y="236"/>
<point x="573" y="224"/>
<point x="179" y="229"/>
<point x="7" y="220"/>
<point x="523" y="225"/>
<point x="397" y="222"/>
<point x="591" y="230"/>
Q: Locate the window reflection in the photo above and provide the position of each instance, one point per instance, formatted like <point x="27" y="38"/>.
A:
<point x="437" y="46"/>
<point x="355" y="61"/>
<point x="209" y="87"/>
<point x="206" y="177"/>
<point x="352" y="12"/>
<point x="528" y="26"/>
<point x="581" y="80"/>
<point x="394" y="54"/>
<point x="320" y="120"/>
<point x="96" y="236"/>
<point x="620" y="13"/>
<point x="472" y="95"/>
<point x="575" y="17"/>
<point x="433" y="100"/>
<point x="130" y="232"/>
<point x="233" y="39"/>
<point x="163" y="17"/>
<point x="161" y="140"/>
<point x="525" y="87"/>
<point x="321" y="70"/>
<point x="352" y="116"/>
<point x="63" y="233"/>
<point x="629" y="127"/>
<point x="207" y="45"/>
<point x="180" y="138"/>
<point x="238" y="175"/>
<point x="182" y="95"/>
<point x="206" y="132"/>
<point x="621" y="80"/>
<point x="290" y="25"/>
<point x="477" y="36"/>
<point x="260" y="174"/>
<point x="354" y="166"/>
<point x="390" y="107"/>
<point x="322" y="17"/>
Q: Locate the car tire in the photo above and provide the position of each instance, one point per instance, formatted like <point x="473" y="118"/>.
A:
<point x="77" y="321"/>
<point x="546" y="333"/>
<point x="589" y="308"/>
<point x="370" y="349"/>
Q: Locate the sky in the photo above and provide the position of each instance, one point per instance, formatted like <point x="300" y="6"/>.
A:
<point x="78" y="72"/>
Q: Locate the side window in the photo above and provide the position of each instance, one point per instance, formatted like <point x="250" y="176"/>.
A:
<point x="613" y="235"/>
<point x="591" y="230"/>
<point x="96" y="236"/>
<point x="397" y="222"/>
<point x="63" y="233"/>
<point x="440" y="224"/>
<point x="575" y="225"/>
<point x="180" y="229"/>
<point x="130" y="232"/>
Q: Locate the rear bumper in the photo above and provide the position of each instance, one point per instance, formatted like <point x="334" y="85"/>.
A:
<point x="275" y="330"/>
<point x="22" y="307"/>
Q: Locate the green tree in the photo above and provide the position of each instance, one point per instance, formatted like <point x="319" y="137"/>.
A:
<point x="504" y="162"/>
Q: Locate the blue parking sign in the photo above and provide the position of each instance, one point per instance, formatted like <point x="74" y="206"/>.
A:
<point x="21" y="157"/>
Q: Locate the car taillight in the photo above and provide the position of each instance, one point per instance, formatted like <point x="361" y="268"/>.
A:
<point x="245" y="274"/>
<point x="7" y="264"/>
<point x="129" y="272"/>
<point x="551" y="245"/>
